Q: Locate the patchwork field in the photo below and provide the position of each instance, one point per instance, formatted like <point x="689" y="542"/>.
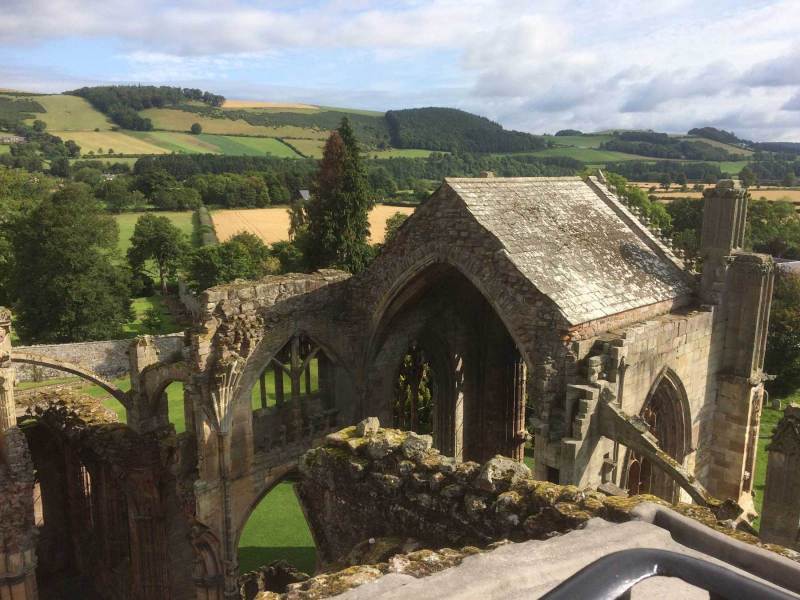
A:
<point x="248" y="146"/>
<point x="100" y="142"/>
<point x="173" y="141"/>
<point x="286" y="106"/>
<point x="178" y="120"/>
<point x="272" y="224"/>
<point x="70" y="113"/>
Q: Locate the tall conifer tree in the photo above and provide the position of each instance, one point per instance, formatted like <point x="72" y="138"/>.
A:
<point x="338" y="213"/>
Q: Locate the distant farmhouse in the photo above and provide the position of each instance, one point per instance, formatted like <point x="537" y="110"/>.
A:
<point x="11" y="139"/>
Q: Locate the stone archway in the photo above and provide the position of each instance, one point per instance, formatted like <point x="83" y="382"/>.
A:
<point x="466" y="356"/>
<point x="667" y="417"/>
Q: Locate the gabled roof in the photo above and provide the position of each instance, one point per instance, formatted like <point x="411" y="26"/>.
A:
<point x="575" y="243"/>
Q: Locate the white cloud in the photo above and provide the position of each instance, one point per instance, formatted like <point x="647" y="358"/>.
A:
<point x="541" y="66"/>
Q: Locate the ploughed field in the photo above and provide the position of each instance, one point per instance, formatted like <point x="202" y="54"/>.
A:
<point x="272" y="224"/>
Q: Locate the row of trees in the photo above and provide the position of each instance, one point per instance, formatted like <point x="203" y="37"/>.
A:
<point x="122" y="102"/>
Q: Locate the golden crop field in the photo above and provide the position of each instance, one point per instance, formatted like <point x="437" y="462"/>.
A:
<point x="179" y="120"/>
<point x="272" y="224"/>
<point x="100" y="142"/>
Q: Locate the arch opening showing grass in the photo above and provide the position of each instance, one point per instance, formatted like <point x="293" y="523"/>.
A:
<point x="277" y="530"/>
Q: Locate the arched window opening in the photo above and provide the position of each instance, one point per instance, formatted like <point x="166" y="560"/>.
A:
<point x="293" y="397"/>
<point x="277" y="530"/>
<point x="415" y="392"/>
<point x="293" y="373"/>
<point x="664" y="415"/>
<point x="38" y="507"/>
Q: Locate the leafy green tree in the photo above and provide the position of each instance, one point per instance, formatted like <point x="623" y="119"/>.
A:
<point x="39" y="125"/>
<point x="381" y="182"/>
<point x="196" y="128"/>
<point x="774" y="228"/>
<point x="118" y="196"/>
<point x="747" y="177"/>
<point x="244" y="256"/>
<point x="156" y="239"/>
<point x="783" y="342"/>
<point x="20" y="193"/>
<point x="67" y="285"/>
<point x="60" y="167"/>
<point x="177" y="197"/>
<point x="338" y="223"/>
<point x="665" y="180"/>
<point x="393" y="223"/>
<point x="88" y="175"/>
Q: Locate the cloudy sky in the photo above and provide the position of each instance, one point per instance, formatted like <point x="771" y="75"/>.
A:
<point x="537" y="66"/>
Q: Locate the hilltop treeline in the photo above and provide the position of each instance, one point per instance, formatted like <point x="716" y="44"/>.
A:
<point x="452" y="130"/>
<point x="791" y="148"/>
<point x="661" y="145"/>
<point x="370" y="129"/>
<point x="656" y="171"/>
<point x="122" y="102"/>
<point x="719" y="135"/>
<point x="14" y="111"/>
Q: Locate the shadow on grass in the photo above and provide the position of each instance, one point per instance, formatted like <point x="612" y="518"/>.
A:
<point x="302" y="557"/>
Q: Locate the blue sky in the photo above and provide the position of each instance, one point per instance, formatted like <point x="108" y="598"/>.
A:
<point x="536" y="66"/>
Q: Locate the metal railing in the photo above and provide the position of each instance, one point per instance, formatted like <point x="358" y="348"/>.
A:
<point x="614" y="575"/>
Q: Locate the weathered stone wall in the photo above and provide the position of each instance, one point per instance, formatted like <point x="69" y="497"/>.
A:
<point x="107" y="358"/>
<point x="367" y="482"/>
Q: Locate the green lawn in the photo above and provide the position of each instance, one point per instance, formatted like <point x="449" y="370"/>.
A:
<point x="127" y="221"/>
<point x="248" y="146"/>
<point x="5" y="149"/>
<point x="277" y="530"/>
<point x="732" y="166"/>
<point x="140" y="307"/>
<point x="769" y="419"/>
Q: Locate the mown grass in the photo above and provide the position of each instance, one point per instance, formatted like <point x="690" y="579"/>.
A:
<point x="71" y="113"/>
<point x="5" y="149"/>
<point x="277" y="530"/>
<point x="269" y="381"/>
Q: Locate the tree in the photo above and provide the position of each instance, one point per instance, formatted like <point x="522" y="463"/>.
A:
<point x="196" y="128"/>
<point x="338" y="223"/>
<point x="118" y="196"/>
<point x="244" y="256"/>
<point x="393" y="223"/>
<point x="39" y="125"/>
<point x="747" y="177"/>
<point x="67" y="285"/>
<point x="156" y="239"/>
<point x="783" y="342"/>
<point x="60" y="167"/>
<point x="774" y="228"/>
<point x="665" y="181"/>
<point x="20" y="192"/>
<point x="381" y="182"/>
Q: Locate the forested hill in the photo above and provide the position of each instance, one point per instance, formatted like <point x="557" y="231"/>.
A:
<point x="452" y="130"/>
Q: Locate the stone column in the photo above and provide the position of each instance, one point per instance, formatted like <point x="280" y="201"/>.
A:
<point x="8" y="415"/>
<point x="780" y="516"/>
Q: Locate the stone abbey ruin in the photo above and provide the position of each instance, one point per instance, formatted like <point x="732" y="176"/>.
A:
<point x="504" y="308"/>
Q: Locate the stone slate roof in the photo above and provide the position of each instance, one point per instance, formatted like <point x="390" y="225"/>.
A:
<point x="571" y="242"/>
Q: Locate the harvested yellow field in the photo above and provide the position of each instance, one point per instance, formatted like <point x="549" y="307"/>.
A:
<point x="272" y="224"/>
<point x="259" y="104"/>
<point x="180" y="120"/>
<point x="100" y="142"/>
